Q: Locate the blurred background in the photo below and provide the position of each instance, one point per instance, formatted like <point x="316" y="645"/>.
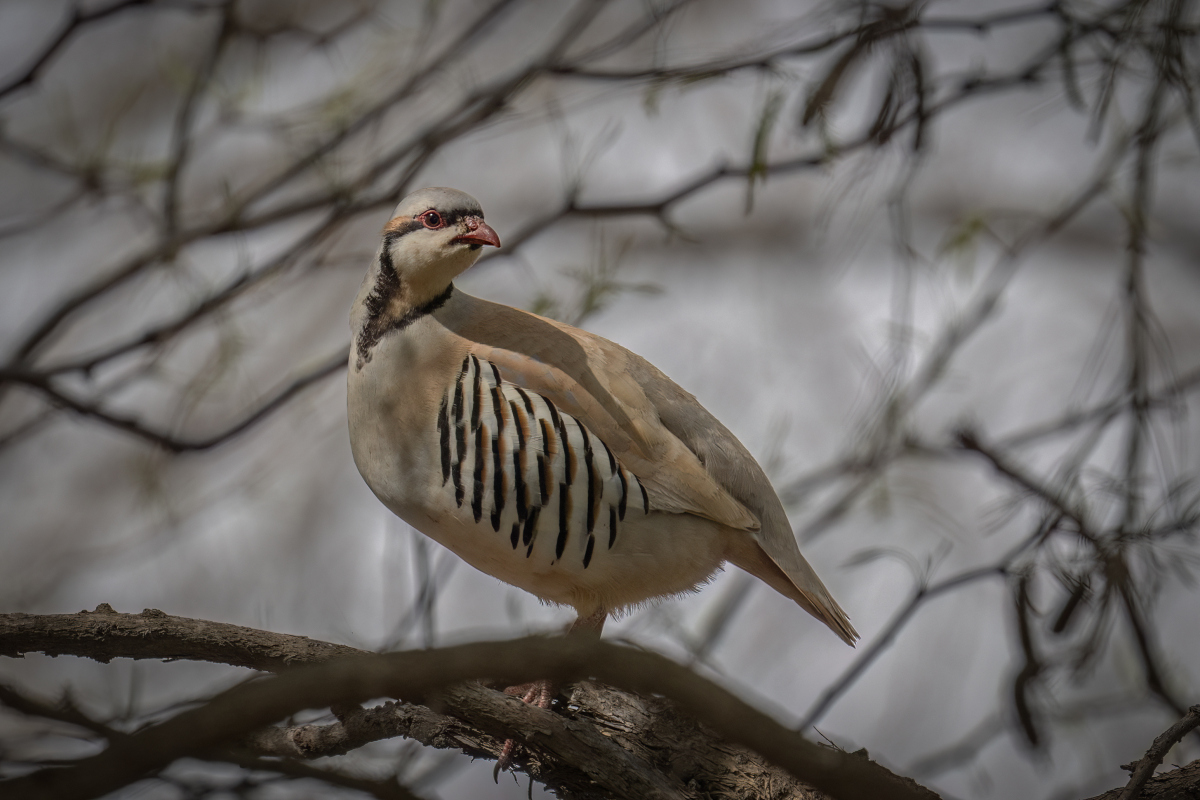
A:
<point x="936" y="264"/>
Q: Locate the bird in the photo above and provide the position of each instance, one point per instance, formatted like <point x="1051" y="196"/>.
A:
<point x="546" y="456"/>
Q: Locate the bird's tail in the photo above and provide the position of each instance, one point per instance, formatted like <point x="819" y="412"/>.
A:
<point x="800" y="584"/>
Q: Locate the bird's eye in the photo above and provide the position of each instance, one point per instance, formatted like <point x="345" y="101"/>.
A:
<point x="432" y="219"/>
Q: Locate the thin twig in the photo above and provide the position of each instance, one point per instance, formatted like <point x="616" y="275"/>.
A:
<point x="169" y="442"/>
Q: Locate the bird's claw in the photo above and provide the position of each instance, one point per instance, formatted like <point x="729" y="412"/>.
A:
<point x="504" y="761"/>
<point x="540" y="694"/>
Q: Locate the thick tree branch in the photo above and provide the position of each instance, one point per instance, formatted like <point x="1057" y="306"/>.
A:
<point x="103" y="635"/>
<point x="604" y="742"/>
<point x="424" y="676"/>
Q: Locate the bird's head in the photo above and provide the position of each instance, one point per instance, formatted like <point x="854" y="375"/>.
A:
<point x="433" y="236"/>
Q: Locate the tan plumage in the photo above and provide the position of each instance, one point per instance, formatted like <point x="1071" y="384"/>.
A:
<point x="542" y="454"/>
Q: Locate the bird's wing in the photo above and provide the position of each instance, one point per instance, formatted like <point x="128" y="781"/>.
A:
<point x="595" y="381"/>
<point x="772" y="554"/>
<point x="687" y="459"/>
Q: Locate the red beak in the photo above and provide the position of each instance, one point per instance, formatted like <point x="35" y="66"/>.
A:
<point x="478" y="232"/>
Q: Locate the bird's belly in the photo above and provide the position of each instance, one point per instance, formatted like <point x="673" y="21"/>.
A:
<point x="654" y="555"/>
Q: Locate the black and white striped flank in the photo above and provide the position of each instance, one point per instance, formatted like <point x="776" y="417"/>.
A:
<point x="530" y="471"/>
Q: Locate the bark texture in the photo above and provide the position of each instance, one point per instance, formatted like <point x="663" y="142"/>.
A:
<point x="1177" y="784"/>
<point x="604" y="742"/>
<point x="601" y="742"/>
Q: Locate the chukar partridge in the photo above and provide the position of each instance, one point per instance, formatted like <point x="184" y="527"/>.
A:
<point x="541" y="454"/>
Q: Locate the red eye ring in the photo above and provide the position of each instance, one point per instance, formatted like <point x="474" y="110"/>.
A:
<point x="432" y="219"/>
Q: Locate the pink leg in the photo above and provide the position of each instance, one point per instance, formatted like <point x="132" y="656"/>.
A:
<point x="540" y="693"/>
<point x="590" y="625"/>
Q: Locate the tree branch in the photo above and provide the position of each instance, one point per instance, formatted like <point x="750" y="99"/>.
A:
<point x="1158" y="750"/>
<point x="168" y="441"/>
<point x="430" y="677"/>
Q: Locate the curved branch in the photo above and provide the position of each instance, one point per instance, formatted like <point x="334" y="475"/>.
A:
<point x="902" y="617"/>
<point x="766" y="61"/>
<point x="167" y="441"/>
<point x="1158" y="751"/>
<point x="104" y="634"/>
<point x="421" y="676"/>
<point x="78" y="19"/>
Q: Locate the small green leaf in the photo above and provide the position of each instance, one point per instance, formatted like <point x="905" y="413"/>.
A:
<point x="762" y="141"/>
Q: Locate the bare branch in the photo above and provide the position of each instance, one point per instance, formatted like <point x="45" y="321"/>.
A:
<point x="168" y="441"/>
<point x="422" y="676"/>
<point x="885" y="638"/>
<point x="104" y="634"/>
<point x="1167" y="786"/>
<point x="77" y="20"/>
<point x="1158" y="751"/>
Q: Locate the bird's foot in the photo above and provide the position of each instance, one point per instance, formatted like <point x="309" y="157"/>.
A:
<point x="538" y="693"/>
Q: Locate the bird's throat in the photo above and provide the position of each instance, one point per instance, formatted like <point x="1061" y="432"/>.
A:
<point x="392" y="306"/>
